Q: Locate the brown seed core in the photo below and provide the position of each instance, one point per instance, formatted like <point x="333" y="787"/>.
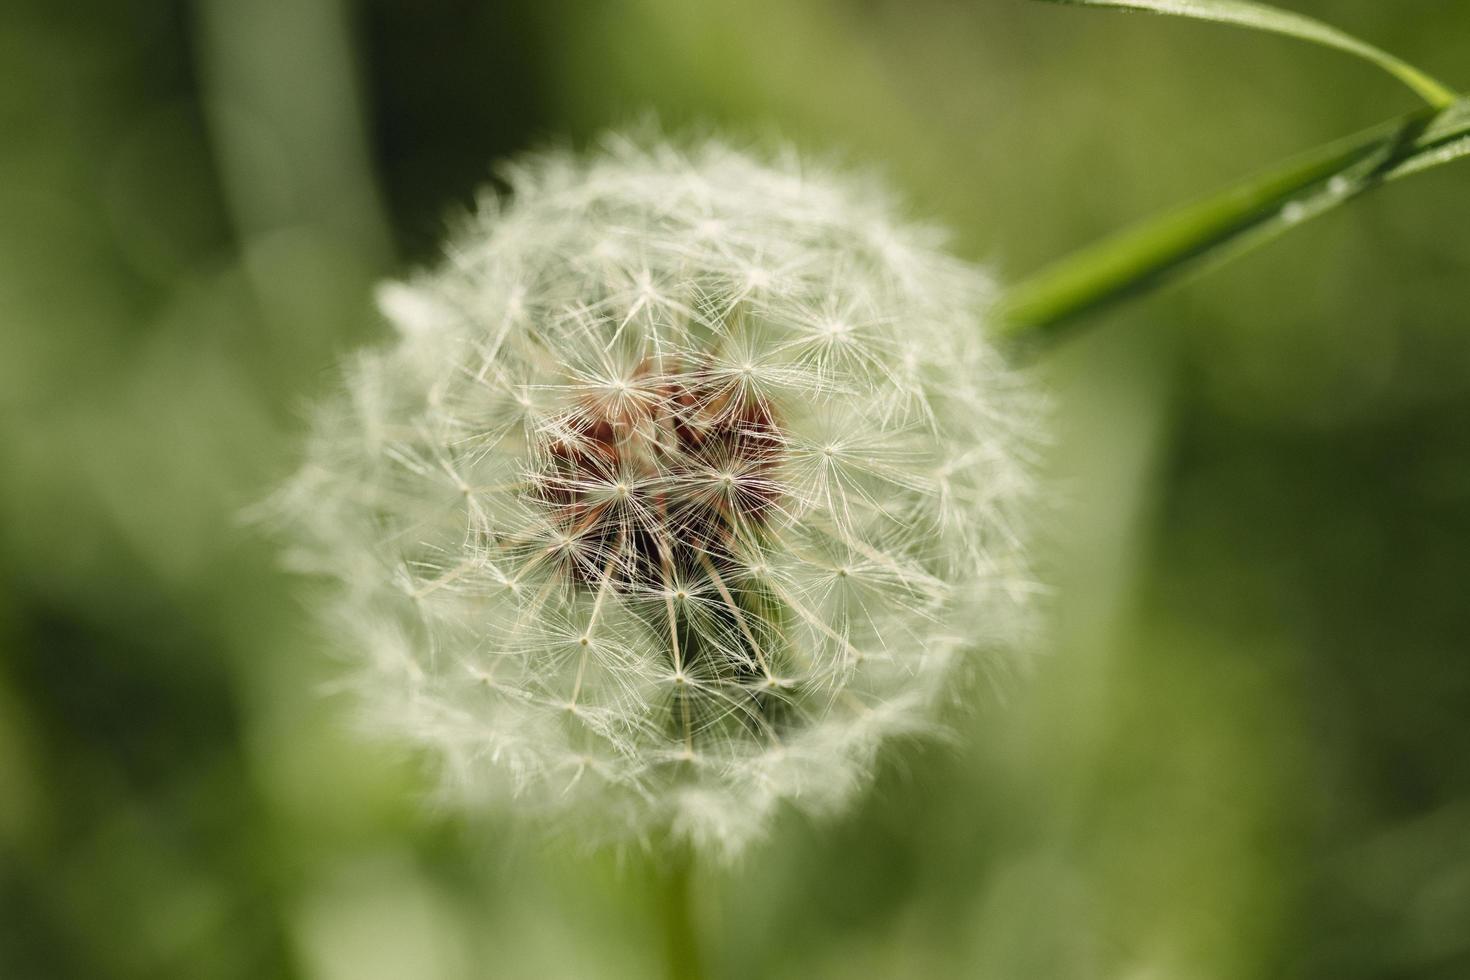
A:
<point x="658" y="476"/>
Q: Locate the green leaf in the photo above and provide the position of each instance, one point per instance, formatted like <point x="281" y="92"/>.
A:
<point x="1263" y="18"/>
<point x="1225" y="225"/>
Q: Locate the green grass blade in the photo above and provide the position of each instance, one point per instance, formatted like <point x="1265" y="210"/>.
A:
<point x="1222" y="227"/>
<point x="1260" y="17"/>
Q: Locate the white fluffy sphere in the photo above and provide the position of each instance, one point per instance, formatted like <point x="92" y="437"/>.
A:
<point x="688" y="480"/>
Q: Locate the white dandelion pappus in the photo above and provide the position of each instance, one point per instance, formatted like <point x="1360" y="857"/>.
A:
<point x="688" y="480"/>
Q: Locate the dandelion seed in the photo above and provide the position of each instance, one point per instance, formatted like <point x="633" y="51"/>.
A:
<point x="689" y="478"/>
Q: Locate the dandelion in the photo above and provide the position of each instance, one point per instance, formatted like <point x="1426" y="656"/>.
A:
<point x="690" y="478"/>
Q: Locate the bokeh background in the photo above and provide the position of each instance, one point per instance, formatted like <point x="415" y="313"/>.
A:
<point x="1244" y="751"/>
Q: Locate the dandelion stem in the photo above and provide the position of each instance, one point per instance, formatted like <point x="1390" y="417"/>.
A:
<point x="681" y="942"/>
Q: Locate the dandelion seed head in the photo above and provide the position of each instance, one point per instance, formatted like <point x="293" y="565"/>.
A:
<point x="689" y="480"/>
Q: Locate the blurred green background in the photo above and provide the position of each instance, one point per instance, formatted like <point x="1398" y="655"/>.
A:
<point x="1244" y="752"/>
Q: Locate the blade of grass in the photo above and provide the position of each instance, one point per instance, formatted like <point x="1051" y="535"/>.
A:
<point x="1223" y="226"/>
<point x="1257" y="16"/>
